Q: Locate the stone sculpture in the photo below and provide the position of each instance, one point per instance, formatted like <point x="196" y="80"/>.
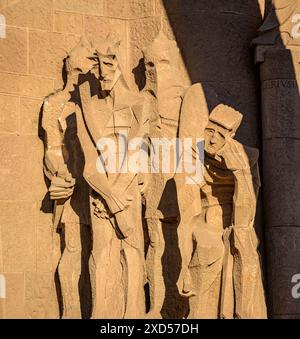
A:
<point x="221" y="268"/>
<point x="164" y="92"/>
<point x="62" y="165"/>
<point x="117" y="259"/>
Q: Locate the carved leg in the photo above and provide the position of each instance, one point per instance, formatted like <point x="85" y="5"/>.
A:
<point x="249" y="291"/>
<point x="206" y="268"/>
<point x="99" y="265"/>
<point x="134" y="281"/>
<point x="69" y="271"/>
<point x="155" y="269"/>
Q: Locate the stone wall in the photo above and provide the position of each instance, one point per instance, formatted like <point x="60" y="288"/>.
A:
<point x="214" y="38"/>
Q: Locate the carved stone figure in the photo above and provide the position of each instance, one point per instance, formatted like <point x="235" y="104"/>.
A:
<point x="63" y="166"/>
<point x="221" y="268"/>
<point x="117" y="259"/>
<point x="164" y="91"/>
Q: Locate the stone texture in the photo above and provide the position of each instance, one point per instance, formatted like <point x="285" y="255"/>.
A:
<point x="14" y="304"/>
<point x="71" y="23"/>
<point x="282" y="206"/>
<point x="30" y="115"/>
<point x="280" y="241"/>
<point x="47" y="51"/>
<point x="40" y="296"/>
<point x="9" y="118"/>
<point x="252" y="8"/>
<point x="29" y="13"/>
<point x="129" y="9"/>
<point x="18" y="236"/>
<point x="13" y="51"/>
<point x="26" y="86"/>
<point x="21" y="168"/>
<point x="82" y="6"/>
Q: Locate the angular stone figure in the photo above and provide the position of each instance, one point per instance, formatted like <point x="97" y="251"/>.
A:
<point x="62" y="165"/>
<point x="221" y="268"/>
<point x="116" y="116"/>
<point x="164" y="91"/>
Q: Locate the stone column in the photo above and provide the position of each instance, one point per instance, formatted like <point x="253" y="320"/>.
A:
<point x="279" y="69"/>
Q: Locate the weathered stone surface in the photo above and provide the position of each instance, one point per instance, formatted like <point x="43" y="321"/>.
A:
<point x="13" y="51"/>
<point x="47" y="51"/>
<point x="30" y="115"/>
<point x="71" y="23"/>
<point x="9" y="117"/>
<point x="27" y="86"/>
<point x="40" y="296"/>
<point x="283" y="248"/>
<point x="21" y="169"/>
<point x="252" y="8"/>
<point x="30" y="13"/>
<point x="18" y="233"/>
<point x="129" y="8"/>
<point x="282" y="206"/>
<point x="14" y="304"/>
<point x="83" y="6"/>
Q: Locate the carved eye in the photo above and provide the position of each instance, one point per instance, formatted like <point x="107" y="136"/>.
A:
<point x="165" y="62"/>
<point x="108" y="64"/>
<point x="150" y="64"/>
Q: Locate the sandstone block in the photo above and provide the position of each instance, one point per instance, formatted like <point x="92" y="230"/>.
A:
<point x="40" y="296"/>
<point x="13" y="51"/>
<point x="14" y="304"/>
<point x="68" y="22"/>
<point x="47" y="52"/>
<point x="130" y="8"/>
<point x="30" y="13"/>
<point x="82" y="6"/>
<point x="27" y="86"/>
<point x="18" y="235"/>
<point x="21" y="168"/>
<point x="9" y="117"/>
<point x="30" y="110"/>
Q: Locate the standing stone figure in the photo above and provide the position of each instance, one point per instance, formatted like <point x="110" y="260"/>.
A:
<point x="221" y="268"/>
<point x="63" y="166"/>
<point x="164" y="91"/>
<point x="114" y="116"/>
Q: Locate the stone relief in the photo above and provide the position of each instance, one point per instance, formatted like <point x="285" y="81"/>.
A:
<point x="220" y="273"/>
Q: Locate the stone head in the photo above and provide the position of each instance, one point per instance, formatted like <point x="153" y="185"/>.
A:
<point x="109" y="62"/>
<point x="162" y="60"/>
<point x="223" y="124"/>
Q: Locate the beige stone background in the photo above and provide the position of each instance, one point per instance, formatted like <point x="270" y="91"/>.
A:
<point x="214" y="37"/>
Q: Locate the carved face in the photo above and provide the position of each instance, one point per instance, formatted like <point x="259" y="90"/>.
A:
<point x="160" y="73"/>
<point x="81" y="60"/>
<point x="109" y="71"/>
<point x="215" y="138"/>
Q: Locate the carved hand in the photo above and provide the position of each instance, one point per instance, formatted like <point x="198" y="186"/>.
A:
<point x="234" y="156"/>
<point x="61" y="188"/>
<point x="184" y="284"/>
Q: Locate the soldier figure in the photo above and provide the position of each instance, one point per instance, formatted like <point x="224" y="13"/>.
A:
<point x="221" y="271"/>
<point x="117" y="260"/>
<point x="63" y="166"/>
